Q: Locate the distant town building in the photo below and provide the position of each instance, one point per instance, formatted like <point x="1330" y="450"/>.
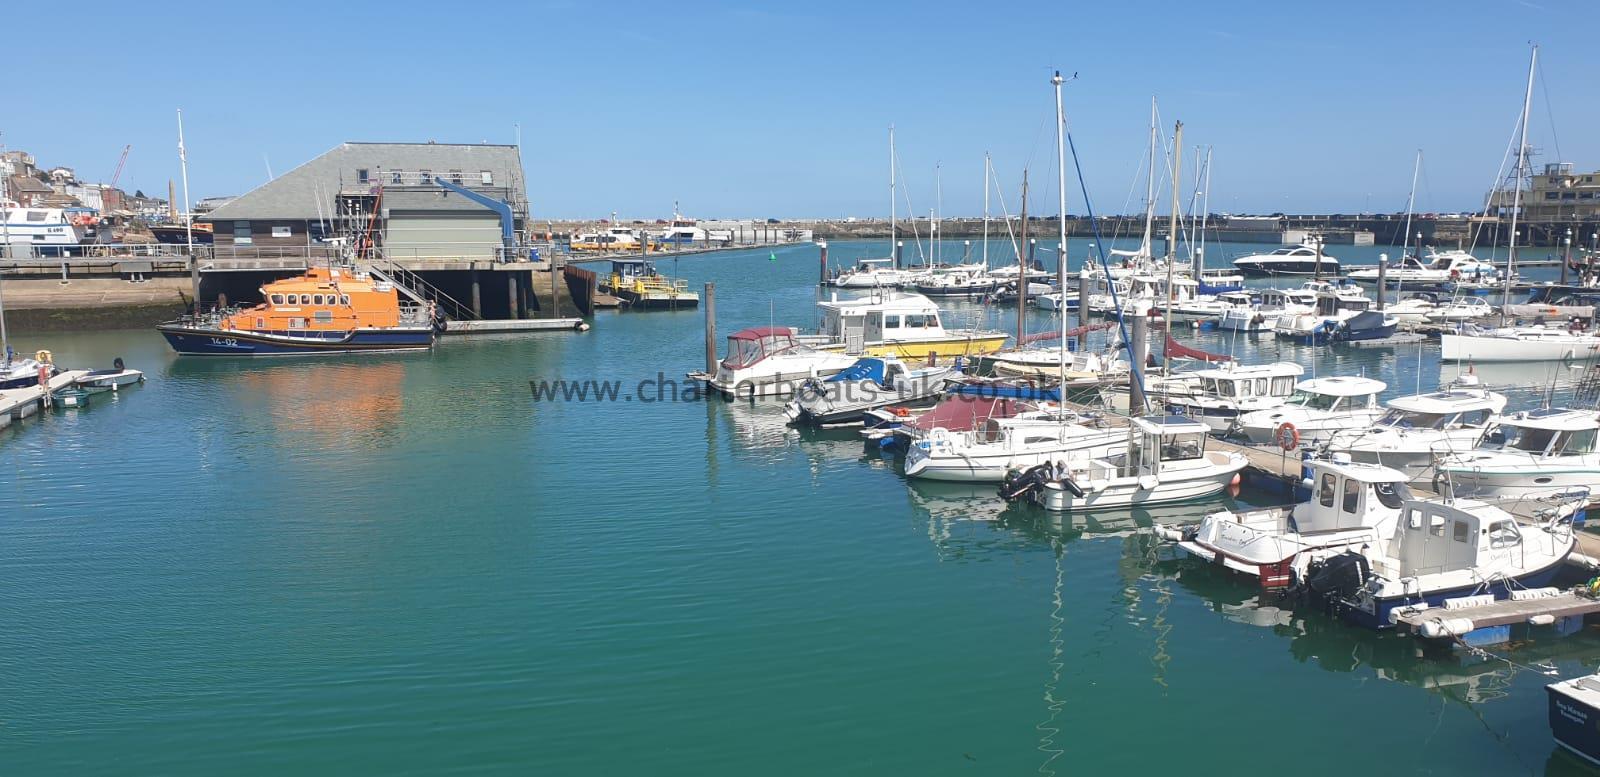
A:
<point x="389" y="187"/>
<point x="1559" y="194"/>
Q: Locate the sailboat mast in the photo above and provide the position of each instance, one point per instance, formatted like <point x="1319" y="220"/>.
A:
<point x="1516" y="193"/>
<point x="1022" y="299"/>
<point x="1172" y="232"/>
<point x="986" y="209"/>
<point x="1145" y="249"/>
<point x="1205" y="213"/>
<point x="1411" y="201"/>
<point x="895" y="256"/>
<point x="1061" y="250"/>
<point x="938" y="212"/>
<point x="188" y="214"/>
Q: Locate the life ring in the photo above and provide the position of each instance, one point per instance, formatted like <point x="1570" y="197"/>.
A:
<point x="1287" y="436"/>
<point x="899" y="411"/>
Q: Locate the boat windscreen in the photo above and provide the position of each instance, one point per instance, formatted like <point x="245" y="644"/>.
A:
<point x="1409" y="419"/>
<point x="1312" y="400"/>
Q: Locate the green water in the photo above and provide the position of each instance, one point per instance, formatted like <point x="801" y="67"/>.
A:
<point x="403" y="565"/>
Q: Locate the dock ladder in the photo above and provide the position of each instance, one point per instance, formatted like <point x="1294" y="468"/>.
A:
<point x="413" y="286"/>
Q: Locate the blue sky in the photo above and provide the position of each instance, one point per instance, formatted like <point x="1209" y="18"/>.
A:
<point x="743" y="110"/>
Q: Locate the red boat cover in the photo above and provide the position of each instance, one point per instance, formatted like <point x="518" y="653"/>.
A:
<point x="1177" y="350"/>
<point x="960" y="413"/>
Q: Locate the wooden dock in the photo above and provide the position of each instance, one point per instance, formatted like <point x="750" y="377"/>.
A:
<point x="19" y="403"/>
<point x="1542" y="610"/>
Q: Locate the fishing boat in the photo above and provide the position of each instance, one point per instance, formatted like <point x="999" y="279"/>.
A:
<point x="1303" y="259"/>
<point x="893" y="323"/>
<point x="1233" y="390"/>
<point x="1444" y="550"/>
<point x="1528" y="453"/>
<point x="1419" y="427"/>
<point x="999" y="445"/>
<point x="1317" y="409"/>
<point x="1519" y="344"/>
<point x="770" y="361"/>
<point x="325" y="311"/>
<point x="1574" y="715"/>
<point x="870" y="383"/>
<point x="637" y="283"/>
<point x="48" y="231"/>
<point x="1351" y="506"/>
<point x="870" y="274"/>
<point x="1165" y="461"/>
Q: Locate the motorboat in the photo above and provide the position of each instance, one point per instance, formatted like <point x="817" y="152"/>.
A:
<point x="998" y="445"/>
<point x="1351" y="506"/>
<point x="327" y="310"/>
<point x="1414" y="308"/>
<point x="1165" y="461"/>
<point x="637" y="283"/>
<point x="870" y="383"/>
<point x="1233" y="390"/>
<point x="1445" y="551"/>
<point x="956" y="412"/>
<point x="1528" y="453"/>
<point x="1267" y="306"/>
<point x="1459" y="310"/>
<point x="613" y="239"/>
<point x="1419" y="427"/>
<point x="1519" y="344"/>
<point x="870" y="274"/>
<point x="1317" y="409"/>
<point x="110" y="380"/>
<point x="896" y="323"/>
<point x="1318" y="326"/>
<point x="1441" y="267"/>
<point x="23" y="371"/>
<point x="1364" y="326"/>
<point x="1056" y="300"/>
<point x="1302" y="259"/>
<point x="770" y="361"/>
<point x="47" y="231"/>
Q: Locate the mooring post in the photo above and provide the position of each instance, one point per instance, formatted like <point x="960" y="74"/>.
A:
<point x="477" y="295"/>
<point x="1033" y="248"/>
<point x="1566" y="258"/>
<point x="555" y="289"/>
<point x="1383" y="279"/>
<point x="1136" y="397"/>
<point x="711" y="328"/>
<point x="194" y="278"/>
<point x="511" y="295"/>
<point x="822" y="279"/>
<point x="899" y="249"/>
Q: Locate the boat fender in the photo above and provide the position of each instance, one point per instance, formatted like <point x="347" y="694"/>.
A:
<point x="1071" y="487"/>
<point x="1148" y="482"/>
<point x="1446" y="627"/>
<point x="1542" y="619"/>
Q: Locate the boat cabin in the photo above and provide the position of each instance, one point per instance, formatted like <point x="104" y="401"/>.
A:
<point x="1442" y="410"/>
<point x="1332" y="303"/>
<point x="1240" y="299"/>
<point x="1337" y="394"/>
<point x="322" y="300"/>
<point x="879" y="318"/>
<point x="1437" y="537"/>
<point x="1257" y="380"/>
<point x="1547" y="432"/>
<point x="1156" y="439"/>
<point x="749" y="346"/>
<point x="625" y="271"/>
<point x="1350" y="495"/>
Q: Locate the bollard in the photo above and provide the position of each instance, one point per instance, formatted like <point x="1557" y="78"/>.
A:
<point x="822" y="279"/>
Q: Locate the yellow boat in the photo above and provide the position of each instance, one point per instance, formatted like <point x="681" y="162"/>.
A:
<point x="891" y="323"/>
<point x="636" y="282"/>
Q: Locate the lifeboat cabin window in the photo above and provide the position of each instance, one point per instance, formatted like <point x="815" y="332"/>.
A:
<point x="1283" y="386"/>
<point x="1459" y="531"/>
<point x="891" y="322"/>
<point x="1325" y="493"/>
<point x="316" y="299"/>
<point x="1578" y="443"/>
<point x="1504" y="534"/>
<point x="1352" y="494"/>
<point x="1177" y="447"/>
<point x="915" y="321"/>
<point x="344" y="299"/>
<point x="277" y="299"/>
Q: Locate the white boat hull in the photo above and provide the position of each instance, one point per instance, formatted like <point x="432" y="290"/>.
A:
<point x="1482" y="348"/>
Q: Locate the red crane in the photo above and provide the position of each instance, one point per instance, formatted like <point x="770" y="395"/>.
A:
<point x="123" y="160"/>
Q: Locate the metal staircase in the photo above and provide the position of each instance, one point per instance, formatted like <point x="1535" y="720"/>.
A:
<point x="412" y="285"/>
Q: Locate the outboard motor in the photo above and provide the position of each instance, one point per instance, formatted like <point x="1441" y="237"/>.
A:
<point x="1338" y="577"/>
<point x="1019" y="483"/>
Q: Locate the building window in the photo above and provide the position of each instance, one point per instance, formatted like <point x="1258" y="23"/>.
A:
<point x="488" y="178"/>
<point x="396" y="178"/>
<point x="455" y="177"/>
<point x="361" y="175"/>
<point x="425" y="177"/>
<point x="1552" y="195"/>
<point x="241" y="233"/>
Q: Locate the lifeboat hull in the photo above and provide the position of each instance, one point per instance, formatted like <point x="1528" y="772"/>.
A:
<point x="198" y="341"/>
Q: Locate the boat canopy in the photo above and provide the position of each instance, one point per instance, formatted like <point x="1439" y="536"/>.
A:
<point x="1341" y="386"/>
<point x="962" y="413"/>
<point x="748" y="346"/>
<point x="870" y="368"/>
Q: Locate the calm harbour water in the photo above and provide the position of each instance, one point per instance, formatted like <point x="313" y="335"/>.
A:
<point x="403" y="565"/>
